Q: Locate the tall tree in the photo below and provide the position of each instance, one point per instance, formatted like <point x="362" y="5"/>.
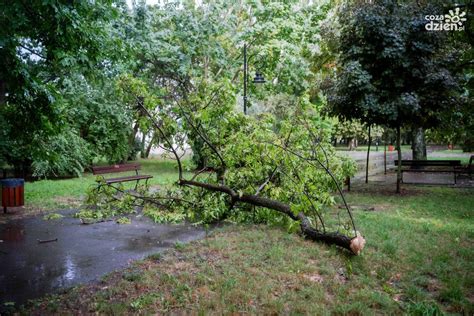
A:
<point x="41" y="44"/>
<point x="390" y="70"/>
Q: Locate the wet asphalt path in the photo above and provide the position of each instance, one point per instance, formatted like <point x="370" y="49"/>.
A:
<point x="82" y="253"/>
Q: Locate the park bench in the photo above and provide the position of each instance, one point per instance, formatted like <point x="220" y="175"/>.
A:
<point x="429" y="166"/>
<point x="101" y="170"/>
<point x="468" y="169"/>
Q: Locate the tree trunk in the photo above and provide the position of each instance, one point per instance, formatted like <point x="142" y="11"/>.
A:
<point x="2" y="92"/>
<point x="368" y="156"/>
<point x="352" y="144"/>
<point x="418" y="144"/>
<point x="330" y="238"/>
<point x="399" y="153"/>
<point x="131" y="140"/>
<point x="150" y="145"/>
<point x="142" y="149"/>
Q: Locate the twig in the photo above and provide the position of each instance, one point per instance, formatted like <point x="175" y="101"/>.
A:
<point x="309" y="161"/>
<point x="46" y="240"/>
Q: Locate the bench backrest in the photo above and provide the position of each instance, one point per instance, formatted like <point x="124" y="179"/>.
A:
<point x="429" y="163"/>
<point x="116" y="168"/>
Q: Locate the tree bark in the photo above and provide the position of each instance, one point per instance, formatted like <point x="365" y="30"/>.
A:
<point x="142" y="149"/>
<point x="368" y="156"/>
<point x="131" y="141"/>
<point x="351" y="144"/>
<point x="399" y="153"/>
<point x="385" y="156"/>
<point x="150" y="145"/>
<point x="330" y="238"/>
<point x="418" y="144"/>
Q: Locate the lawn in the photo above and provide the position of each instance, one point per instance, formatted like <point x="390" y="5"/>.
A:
<point x="418" y="260"/>
<point x="464" y="159"/>
<point x="50" y="195"/>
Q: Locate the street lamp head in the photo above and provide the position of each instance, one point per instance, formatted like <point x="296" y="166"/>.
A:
<point x="259" y="78"/>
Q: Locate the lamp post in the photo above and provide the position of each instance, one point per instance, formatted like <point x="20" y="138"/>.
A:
<point x="258" y="78"/>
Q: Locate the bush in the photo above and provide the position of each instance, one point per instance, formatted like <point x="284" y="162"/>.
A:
<point x="61" y="155"/>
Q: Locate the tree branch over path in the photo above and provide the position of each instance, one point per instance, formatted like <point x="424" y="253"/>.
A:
<point x="354" y="244"/>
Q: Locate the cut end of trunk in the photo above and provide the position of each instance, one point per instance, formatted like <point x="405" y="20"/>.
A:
<point x="354" y="245"/>
<point x="357" y="244"/>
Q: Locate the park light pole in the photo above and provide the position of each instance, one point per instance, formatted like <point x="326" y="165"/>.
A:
<point x="258" y="78"/>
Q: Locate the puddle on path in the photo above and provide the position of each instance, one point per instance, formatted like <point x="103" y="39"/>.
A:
<point x="13" y="233"/>
<point x="82" y="253"/>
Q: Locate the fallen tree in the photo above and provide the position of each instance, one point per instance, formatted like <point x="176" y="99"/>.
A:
<point x="260" y="169"/>
<point x="283" y="166"/>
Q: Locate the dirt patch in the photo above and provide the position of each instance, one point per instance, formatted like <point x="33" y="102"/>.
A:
<point x="380" y="207"/>
<point x="68" y="201"/>
<point x="387" y="189"/>
<point x="315" y="277"/>
<point x="179" y="267"/>
<point x="433" y="286"/>
<point x="398" y="298"/>
<point x="15" y="213"/>
<point x="202" y="293"/>
<point x="395" y="279"/>
<point x="340" y="276"/>
<point x="470" y="298"/>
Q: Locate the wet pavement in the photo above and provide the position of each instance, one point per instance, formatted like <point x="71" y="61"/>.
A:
<point x="376" y="168"/>
<point x="414" y="179"/>
<point x="376" y="161"/>
<point x="82" y="253"/>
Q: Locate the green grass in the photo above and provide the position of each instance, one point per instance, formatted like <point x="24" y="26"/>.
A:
<point x="418" y="260"/>
<point x="464" y="160"/>
<point x="50" y="195"/>
<point x="451" y="151"/>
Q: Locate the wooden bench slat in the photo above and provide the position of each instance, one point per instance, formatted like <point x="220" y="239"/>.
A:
<point x="428" y="170"/>
<point x="125" y="179"/>
<point x="433" y="163"/>
<point x="116" y="168"/>
<point x="98" y="170"/>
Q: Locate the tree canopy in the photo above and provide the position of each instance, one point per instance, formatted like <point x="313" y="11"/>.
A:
<point x="54" y="55"/>
<point x="390" y="70"/>
<point x="89" y="82"/>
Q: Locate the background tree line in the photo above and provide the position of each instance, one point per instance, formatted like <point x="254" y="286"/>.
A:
<point x="72" y="73"/>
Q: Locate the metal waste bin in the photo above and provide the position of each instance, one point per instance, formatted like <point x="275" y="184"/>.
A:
<point x="12" y="193"/>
